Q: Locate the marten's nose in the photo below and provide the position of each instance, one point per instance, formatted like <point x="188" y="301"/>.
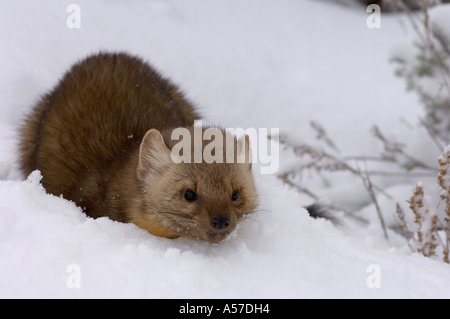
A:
<point x="220" y="221"/>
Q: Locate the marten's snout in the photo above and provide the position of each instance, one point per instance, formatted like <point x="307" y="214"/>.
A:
<point x="220" y="221"/>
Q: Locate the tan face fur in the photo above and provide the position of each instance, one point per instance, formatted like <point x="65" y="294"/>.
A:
<point x="224" y="192"/>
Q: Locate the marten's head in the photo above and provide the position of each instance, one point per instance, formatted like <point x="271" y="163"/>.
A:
<point x="199" y="185"/>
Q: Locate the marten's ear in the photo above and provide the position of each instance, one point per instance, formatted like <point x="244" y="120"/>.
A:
<point x="244" y="151"/>
<point x="154" y="155"/>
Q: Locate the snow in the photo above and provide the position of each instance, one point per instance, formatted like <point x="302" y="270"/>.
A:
<point x="262" y="64"/>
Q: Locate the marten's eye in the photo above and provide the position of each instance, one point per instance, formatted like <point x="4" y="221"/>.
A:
<point x="190" y="196"/>
<point x="235" y="196"/>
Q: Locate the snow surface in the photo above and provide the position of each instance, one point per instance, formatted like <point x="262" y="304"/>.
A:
<point x="262" y="64"/>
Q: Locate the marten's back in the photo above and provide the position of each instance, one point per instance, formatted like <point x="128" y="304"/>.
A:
<point x="95" y="117"/>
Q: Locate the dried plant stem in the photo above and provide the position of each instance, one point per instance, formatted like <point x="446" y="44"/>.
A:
<point x="397" y="148"/>
<point x="425" y="35"/>
<point x="325" y="161"/>
<point x="443" y="67"/>
<point x="403" y="226"/>
<point x="322" y="135"/>
<point x="444" y="183"/>
<point x="304" y="190"/>
<point x="285" y="178"/>
<point x="427" y="238"/>
<point x="432" y="135"/>
<point x="427" y="220"/>
<point x="320" y="160"/>
<point x="369" y="187"/>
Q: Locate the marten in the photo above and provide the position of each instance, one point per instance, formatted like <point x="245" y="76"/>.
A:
<point x="102" y="138"/>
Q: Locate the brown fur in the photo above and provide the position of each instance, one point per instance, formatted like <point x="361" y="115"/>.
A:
<point x="101" y="138"/>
